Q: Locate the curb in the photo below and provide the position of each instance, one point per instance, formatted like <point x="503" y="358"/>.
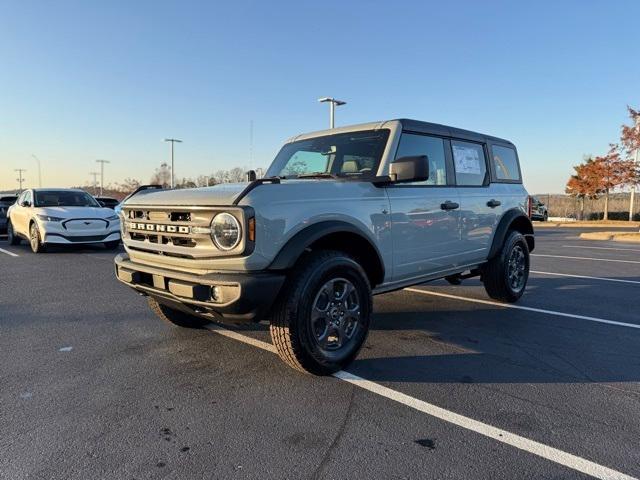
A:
<point x="613" y="236"/>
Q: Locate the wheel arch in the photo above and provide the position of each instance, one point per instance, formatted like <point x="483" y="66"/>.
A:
<point x="333" y="235"/>
<point x="513" y="219"/>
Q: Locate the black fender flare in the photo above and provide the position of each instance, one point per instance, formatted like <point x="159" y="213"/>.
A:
<point x="291" y="251"/>
<point x="514" y="219"/>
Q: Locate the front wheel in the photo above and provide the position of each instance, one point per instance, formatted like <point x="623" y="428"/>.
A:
<point x="321" y="319"/>
<point x="505" y="276"/>
<point x="35" y="240"/>
<point x="12" y="238"/>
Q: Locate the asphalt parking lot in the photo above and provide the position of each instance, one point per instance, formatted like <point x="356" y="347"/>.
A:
<point x="449" y="384"/>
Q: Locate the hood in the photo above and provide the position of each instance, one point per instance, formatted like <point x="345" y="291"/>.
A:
<point x="76" y="212"/>
<point x="218" y="195"/>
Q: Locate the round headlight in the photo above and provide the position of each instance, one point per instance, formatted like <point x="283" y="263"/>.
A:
<point x="225" y="231"/>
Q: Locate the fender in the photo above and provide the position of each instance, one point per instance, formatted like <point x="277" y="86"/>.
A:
<point x="292" y="250"/>
<point x="512" y="218"/>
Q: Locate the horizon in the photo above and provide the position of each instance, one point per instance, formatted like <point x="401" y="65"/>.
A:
<point x="86" y="82"/>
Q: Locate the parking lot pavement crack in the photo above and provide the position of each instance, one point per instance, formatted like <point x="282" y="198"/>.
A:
<point x="317" y="474"/>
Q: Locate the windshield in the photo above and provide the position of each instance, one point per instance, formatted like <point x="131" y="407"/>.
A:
<point x="353" y="154"/>
<point x="53" y="198"/>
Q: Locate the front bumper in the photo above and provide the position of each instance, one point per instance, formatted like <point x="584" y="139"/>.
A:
<point x="233" y="296"/>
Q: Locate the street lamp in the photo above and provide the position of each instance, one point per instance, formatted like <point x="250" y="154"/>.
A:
<point x="332" y="108"/>
<point x="172" y="140"/>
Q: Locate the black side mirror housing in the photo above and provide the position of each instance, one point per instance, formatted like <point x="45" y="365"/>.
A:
<point x="409" y="169"/>
<point x="26" y="203"/>
<point x="251" y="176"/>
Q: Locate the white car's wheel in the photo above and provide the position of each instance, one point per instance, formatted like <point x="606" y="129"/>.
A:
<point x="35" y="240"/>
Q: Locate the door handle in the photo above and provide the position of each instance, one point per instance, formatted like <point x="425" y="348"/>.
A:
<point x="494" y="203"/>
<point x="449" y="205"/>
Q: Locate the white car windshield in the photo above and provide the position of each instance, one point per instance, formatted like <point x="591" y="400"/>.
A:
<point x="352" y="154"/>
<point x="62" y="198"/>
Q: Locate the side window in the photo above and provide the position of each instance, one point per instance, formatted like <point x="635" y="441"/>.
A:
<point x="469" y="162"/>
<point x="433" y="147"/>
<point x="26" y="197"/>
<point x="505" y="163"/>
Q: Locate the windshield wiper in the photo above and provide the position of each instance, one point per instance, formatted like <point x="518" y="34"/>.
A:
<point x="318" y="175"/>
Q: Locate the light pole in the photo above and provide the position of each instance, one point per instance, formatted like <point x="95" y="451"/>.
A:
<point x="633" y="187"/>
<point x="20" y="179"/>
<point x="39" y="171"/>
<point x="332" y="108"/>
<point x="102" y="162"/>
<point x="173" y="141"/>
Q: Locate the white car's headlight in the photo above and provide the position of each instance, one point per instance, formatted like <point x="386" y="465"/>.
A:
<point x="225" y="231"/>
<point x="49" y="218"/>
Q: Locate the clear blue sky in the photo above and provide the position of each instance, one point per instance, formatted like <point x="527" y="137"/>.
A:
<point x="86" y="80"/>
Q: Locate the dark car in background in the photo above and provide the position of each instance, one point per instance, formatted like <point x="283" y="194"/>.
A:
<point x="5" y="202"/>
<point x="107" y="202"/>
<point x="538" y="210"/>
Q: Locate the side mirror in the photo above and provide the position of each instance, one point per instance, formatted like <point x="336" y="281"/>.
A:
<point x="251" y="176"/>
<point x="26" y="203"/>
<point x="409" y="169"/>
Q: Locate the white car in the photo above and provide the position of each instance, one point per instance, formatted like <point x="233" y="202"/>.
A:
<point x="62" y="216"/>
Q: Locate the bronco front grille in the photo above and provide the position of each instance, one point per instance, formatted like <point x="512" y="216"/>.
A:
<point x="173" y="231"/>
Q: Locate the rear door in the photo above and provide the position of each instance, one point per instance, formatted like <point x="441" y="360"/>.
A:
<point x="480" y="204"/>
<point x="425" y="216"/>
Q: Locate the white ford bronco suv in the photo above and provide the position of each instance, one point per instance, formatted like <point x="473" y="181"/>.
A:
<point x="341" y="215"/>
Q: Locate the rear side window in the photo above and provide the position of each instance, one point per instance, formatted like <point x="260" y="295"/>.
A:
<point x="469" y="162"/>
<point x="433" y="148"/>
<point x="505" y="163"/>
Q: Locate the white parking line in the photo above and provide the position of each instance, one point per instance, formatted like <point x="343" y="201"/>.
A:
<point x="531" y="446"/>
<point x="8" y="252"/>
<point x="587" y="277"/>
<point x="586" y="258"/>
<point x="604" y="248"/>
<point x="521" y="307"/>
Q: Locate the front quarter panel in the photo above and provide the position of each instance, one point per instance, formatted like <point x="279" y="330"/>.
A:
<point x="285" y="209"/>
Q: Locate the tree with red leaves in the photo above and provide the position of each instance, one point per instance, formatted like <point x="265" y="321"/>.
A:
<point x="584" y="183"/>
<point x="600" y="176"/>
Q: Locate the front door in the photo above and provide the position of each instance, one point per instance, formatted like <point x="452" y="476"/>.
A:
<point x="425" y="216"/>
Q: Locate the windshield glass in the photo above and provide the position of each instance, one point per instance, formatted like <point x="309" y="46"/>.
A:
<point x="53" y="198"/>
<point x="353" y="154"/>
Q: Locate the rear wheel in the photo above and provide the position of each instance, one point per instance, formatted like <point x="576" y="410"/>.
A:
<point x="545" y="217"/>
<point x="35" y="240"/>
<point x="12" y="238"/>
<point x="321" y="319"/>
<point x="505" y="276"/>
<point x="175" y="317"/>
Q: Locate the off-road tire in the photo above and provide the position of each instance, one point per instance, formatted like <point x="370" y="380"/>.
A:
<point x="291" y="326"/>
<point x="112" y="245"/>
<point x="496" y="272"/>
<point x="176" y="317"/>
<point x="35" y="240"/>
<point x="12" y="238"/>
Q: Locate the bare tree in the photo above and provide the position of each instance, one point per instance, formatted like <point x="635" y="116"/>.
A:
<point x="162" y="176"/>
